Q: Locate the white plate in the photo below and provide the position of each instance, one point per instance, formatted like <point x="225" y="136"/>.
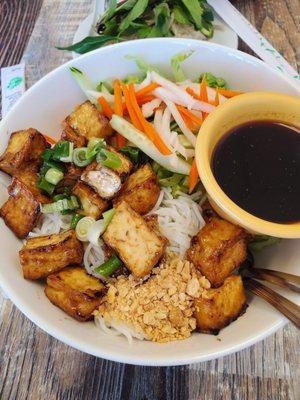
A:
<point x="223" y="33"/>
<point x="44" y="106"/>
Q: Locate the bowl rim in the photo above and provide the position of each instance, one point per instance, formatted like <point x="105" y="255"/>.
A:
<point x="214" y="190"/>
<point x="53" y="329"/>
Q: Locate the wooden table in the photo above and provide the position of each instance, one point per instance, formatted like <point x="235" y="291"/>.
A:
<point x="35" y="366"/>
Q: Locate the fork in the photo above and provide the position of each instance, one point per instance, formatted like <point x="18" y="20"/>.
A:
<point x="281" y="279"/>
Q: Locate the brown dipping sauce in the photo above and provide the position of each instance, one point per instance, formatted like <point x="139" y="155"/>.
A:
<point x="257" y="165"/>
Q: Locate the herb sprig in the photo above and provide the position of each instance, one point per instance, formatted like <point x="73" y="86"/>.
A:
<point x="146" y="19"/>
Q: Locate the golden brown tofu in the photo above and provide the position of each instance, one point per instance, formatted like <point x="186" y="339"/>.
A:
<point x="30" y="178"/>
<point x="41" y="256"/>
<point x="75" y="292"/>
<point x="220" y="306"/>
<point x="152" y="222"/>
<point x="87" y="121"/>
<point x="218" y="249"/>
<point x="21" y="211"/>
<point x="126" y="165"/>
<point x="24" y="148"/>
<point x="92" y="204"/>
<point x="73" y="136"/>
<point x="140" y="190"/>
<point x="138" y="246"/>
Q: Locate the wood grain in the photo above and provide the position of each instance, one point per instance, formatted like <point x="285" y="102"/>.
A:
<point x="17" y="18"/>
<point x="35" y="366"/>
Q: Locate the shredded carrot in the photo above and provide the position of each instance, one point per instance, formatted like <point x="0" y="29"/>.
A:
<point x="132" y="114"/>
<point x="217" y="98"/>
<point x="148" y="128"/>
<point x="193" y="94"/>
<point x="203" y="91"/>
<point x="49" y="139"/>
<point x="147" y="89"/>
<point x="229" y="93"/>
<point x="119" y="110"/>
<point x="140" y="101"/>
<point x="203" y="95"/>
<point x="193" y="176"/>
<point x="107" y="110"/>
<point x="187" y="121"/>
<point x="118" y="98"/>
<point x="190" y="115"/>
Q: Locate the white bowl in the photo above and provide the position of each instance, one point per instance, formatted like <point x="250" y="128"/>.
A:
<point x="44" y="106"/>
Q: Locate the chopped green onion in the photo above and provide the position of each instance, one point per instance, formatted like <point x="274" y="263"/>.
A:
<point x="82" y="228"/>
<point x="51" y="164"/>
<point x="108" y="216"/>
<point x="108" y="159"/>
<point x="69" y="157"/>
<point x="47" y="154"/>
<point x="75" y="219"/>
<point x="134" y="154"/>
<point x="109" y="266"/>
<point x="94" y="146"/>
<point x="60" y="196"/>
<point x="60" y="206"/>
<point x="45" y="185"/>
<point x="99" y="227"/>
<point x="54" y="176"/>
<point x="80" y="157"/>
<point x="60" y="150"/>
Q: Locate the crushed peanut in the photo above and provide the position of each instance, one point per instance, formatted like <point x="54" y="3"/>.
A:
<point x="161" y="307"/>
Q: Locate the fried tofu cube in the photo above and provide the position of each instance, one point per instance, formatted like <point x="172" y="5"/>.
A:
<point x="140" y="190"/>
<point x="152" y="222"/>
<point x="218" y="249"/>
<point x="24" y="148"/>
<point x="87" y="121"/>
<point x="75" y="292"/>
<point x="71" y="135"/>
<point x="92" y="204"/>
<point x="21" y="211"/>
<point x="30" y="179"/>
<point x="219" y="307"/>
<point x="139" y="247"/>
<point x="44" y="255"/>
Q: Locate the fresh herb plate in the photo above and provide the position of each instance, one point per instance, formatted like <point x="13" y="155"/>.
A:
<point x="223" y="34"/>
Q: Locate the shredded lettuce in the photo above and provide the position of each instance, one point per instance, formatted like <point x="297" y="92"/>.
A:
<point x="142" y="65"/>
<point x="176" y="66"/>
<point x="105" y="87"/>
<point x="83" y="82"/>
<point x="177" y="182"/>
<point x="260" y="242"/>
<point x="212" y="80"/>
<point x="134" y="78"/>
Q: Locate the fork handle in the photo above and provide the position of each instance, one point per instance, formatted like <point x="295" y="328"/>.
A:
<point x="282" y="279"/>
<point x="282" y="304"/>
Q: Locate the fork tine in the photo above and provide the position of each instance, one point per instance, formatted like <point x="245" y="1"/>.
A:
<point x="285" y="306"/>
<point x="281" y="279"/>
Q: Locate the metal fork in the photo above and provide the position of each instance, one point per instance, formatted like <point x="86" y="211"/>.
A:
<point x="281" y="279"/>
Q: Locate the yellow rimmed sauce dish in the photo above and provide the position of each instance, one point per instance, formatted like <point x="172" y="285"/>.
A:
<point x="235" y="112"/>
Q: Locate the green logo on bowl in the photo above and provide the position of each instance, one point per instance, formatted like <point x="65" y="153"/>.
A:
<point x="14" y="82"/>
